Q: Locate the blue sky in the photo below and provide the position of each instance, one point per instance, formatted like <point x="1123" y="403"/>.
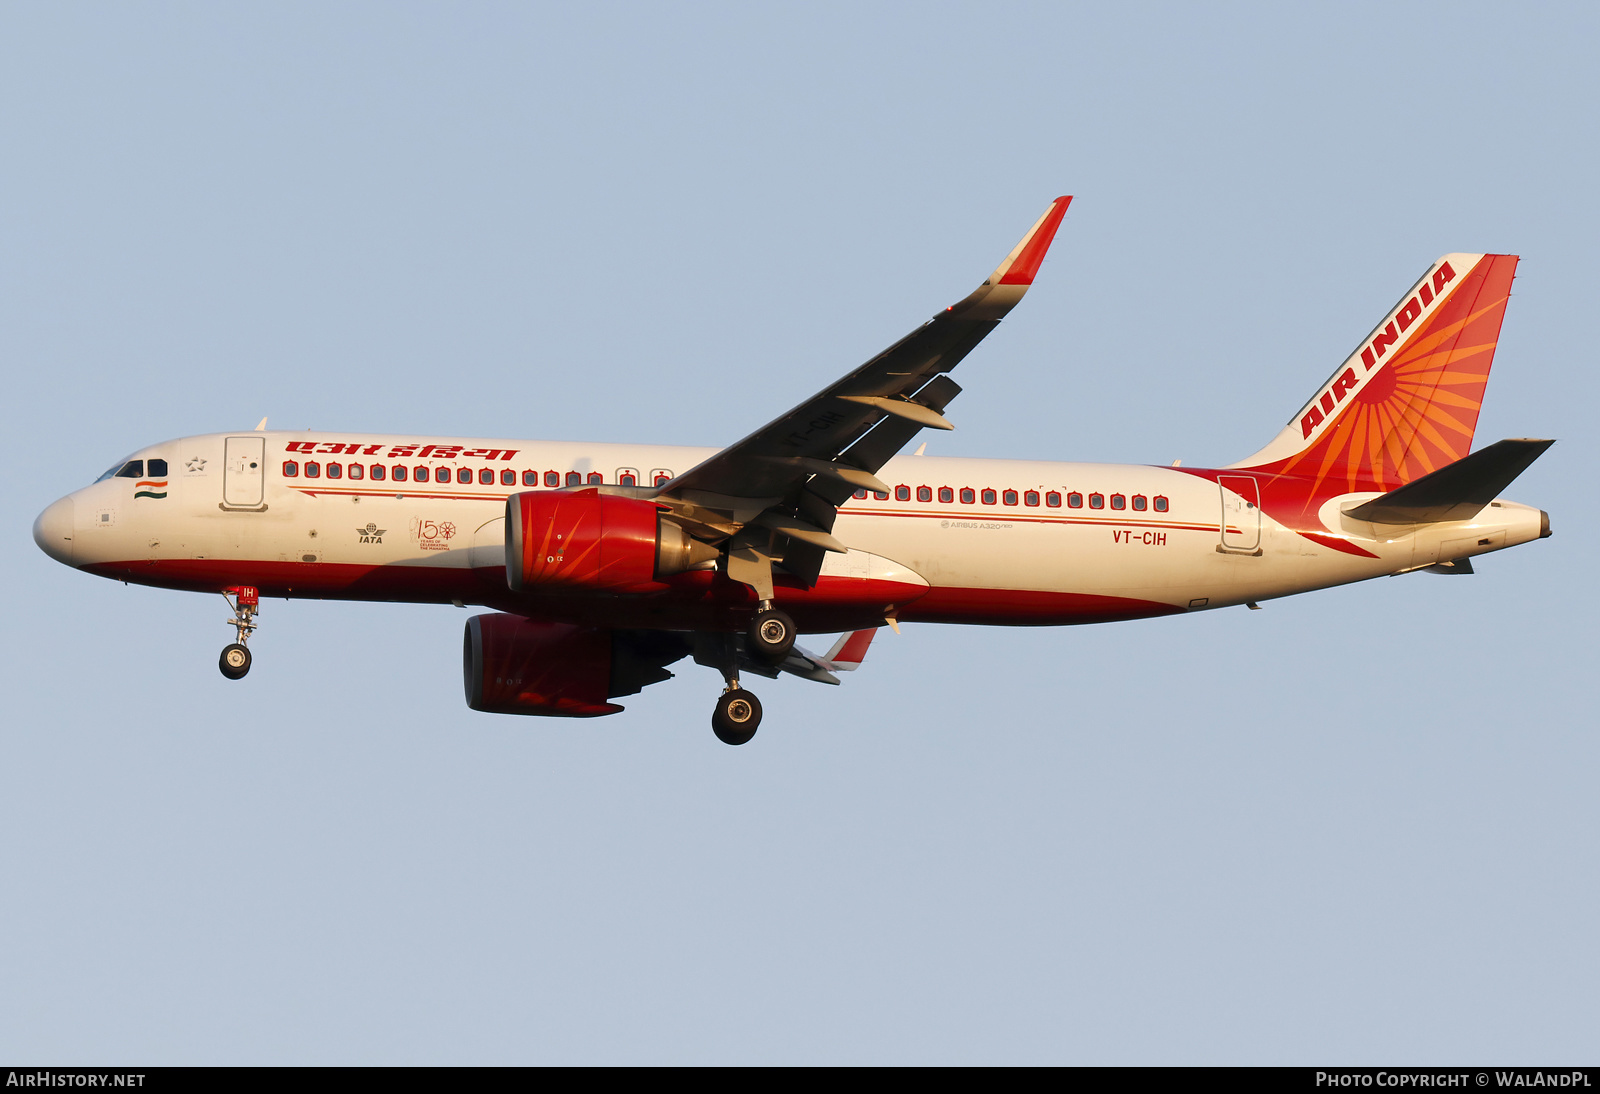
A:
<point x="1357" y="826"/>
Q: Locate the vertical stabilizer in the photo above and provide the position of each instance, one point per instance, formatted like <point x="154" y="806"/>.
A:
<point x="1406" y="402"/>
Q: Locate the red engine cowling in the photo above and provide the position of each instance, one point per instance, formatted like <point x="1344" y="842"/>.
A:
<point x="514" y="665"/>
<point x="585" y="540"/>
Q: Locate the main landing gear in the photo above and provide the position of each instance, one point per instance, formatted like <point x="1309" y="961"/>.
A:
<point x="737" y="716"/>
<point x="245" y="602"/>
<point x="771" y="633"/>
<point x="763" y="647"/>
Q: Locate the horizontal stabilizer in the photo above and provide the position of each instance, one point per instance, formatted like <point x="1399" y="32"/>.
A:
<point x="800" y="662"/>
<point x="851" y="649"/>
<point x="1458" y="491"/>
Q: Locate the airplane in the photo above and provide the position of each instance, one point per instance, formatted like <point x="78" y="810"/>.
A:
<point x="602" y="564"/>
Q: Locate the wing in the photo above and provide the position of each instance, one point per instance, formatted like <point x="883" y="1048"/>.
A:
<point x="774" y="495"/>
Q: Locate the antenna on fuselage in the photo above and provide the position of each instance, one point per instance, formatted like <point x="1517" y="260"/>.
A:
<point x="261" y="426"/>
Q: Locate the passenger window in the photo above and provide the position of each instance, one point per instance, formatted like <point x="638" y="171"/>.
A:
<point x="552" y="478"/>
<point x="902" y="493"/>
<point x="968" y="495"/>
<point x="133" y="469"/>
<point x="574" y="478"/>
<point x="1140" y="502"/>
<point x="946" y="495"/>
<point x="859" y="495"/>
<point x="1074" y="500"/>
<point x="880" y="495"/>
<point x="485" y="477"/>
<point x="1009" y="497"/>
<point x="291" y="469"/>
<point x="336" y="471"/>
<point x="464" y="475"/>
<point x="420" y="473"/>
<point x="399" y="472"/>
<point x="1097" y="501"/>
<point x="924" y="493"/>
<point x="377" y="472"/>
<point x="508" y="477"/>
<point x="989" y="496"/>
<point x="357" y="471"/>
<point x="1030" y="497"/>
<point x="596" y="479"/>
<point x="660" y="475"/>
<point x="158" y="469"/>
<point x="1161" y="504"/>
<point x="1118" y="501"/>
<point x="530" y="478"/>
<point x="627" y="479"/>
<point x="1053" y="499"/>
<point x="313" y="469"/>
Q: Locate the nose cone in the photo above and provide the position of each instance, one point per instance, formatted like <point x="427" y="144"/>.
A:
<point x="52" y="531"/>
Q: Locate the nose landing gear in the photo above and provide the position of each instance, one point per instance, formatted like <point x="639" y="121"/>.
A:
<point x="245" y="602"/>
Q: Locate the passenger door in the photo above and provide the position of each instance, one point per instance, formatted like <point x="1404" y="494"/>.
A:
<point x="244" y="472"/>
<point x="1241" y="514"/>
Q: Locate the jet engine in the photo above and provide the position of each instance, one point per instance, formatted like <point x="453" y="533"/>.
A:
<point x="513" y="665"/>
<point x="584" y="539"/>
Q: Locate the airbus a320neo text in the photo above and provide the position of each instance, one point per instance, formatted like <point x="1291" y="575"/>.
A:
<point x="605" y="563"/>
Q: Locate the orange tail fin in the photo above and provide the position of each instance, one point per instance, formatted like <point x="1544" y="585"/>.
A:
<point x="1406" y="402"/>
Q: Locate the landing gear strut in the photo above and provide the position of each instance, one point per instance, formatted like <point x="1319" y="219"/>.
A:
<point x="771" y="633"/>
<point x="245" y="602"/>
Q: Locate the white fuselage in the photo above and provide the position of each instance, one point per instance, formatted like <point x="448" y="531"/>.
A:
<point x="1052" y="543"/>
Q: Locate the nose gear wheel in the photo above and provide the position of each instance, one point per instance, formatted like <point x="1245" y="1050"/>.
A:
<point x="235" y="660"/>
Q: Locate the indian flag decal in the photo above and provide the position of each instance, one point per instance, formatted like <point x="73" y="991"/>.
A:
<point x="150" y="488"/>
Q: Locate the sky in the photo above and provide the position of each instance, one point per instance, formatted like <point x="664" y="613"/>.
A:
<point x="1357" y="826"/>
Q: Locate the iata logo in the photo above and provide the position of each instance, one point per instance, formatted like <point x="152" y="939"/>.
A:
<point x="371" y="533"/>
<point x="1373" y="352"/>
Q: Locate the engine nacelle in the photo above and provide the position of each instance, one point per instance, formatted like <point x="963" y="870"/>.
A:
<point x="584" y="539"/>
<point x="514" y="665"/>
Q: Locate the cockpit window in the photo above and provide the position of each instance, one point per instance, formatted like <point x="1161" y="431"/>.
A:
<point x="158" y="469"/>
<point x="133" y="469"/>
